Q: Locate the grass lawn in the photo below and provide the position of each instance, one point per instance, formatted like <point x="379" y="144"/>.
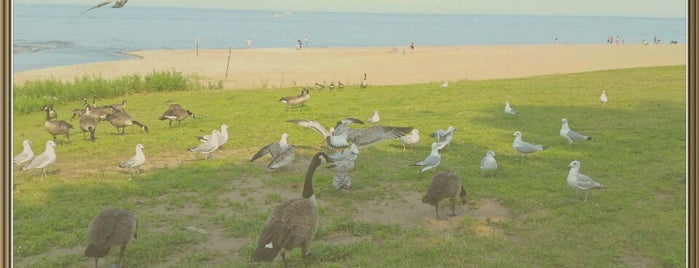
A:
<point x="196" y="213"/>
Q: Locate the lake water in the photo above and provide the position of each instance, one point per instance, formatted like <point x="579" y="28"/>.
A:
<point x="54" y="35"/>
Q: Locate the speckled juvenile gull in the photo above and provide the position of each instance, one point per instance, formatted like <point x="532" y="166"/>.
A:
<point x="343" y="163"/>
<point x="523" y="147"/>
<point x="489" y="164"/>
<point x="569" y="135"/>
<point x="580" y="181"/>
<point x="431" y="161"/>
<point x="43" y="160"/>
<point x="26" y="154"/>
<point x="412" y="138"/>
<point x="136" y="161"/>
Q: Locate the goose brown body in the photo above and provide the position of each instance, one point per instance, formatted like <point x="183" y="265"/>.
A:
<point x="445" y="185"/>
<point x="111" y="227"/>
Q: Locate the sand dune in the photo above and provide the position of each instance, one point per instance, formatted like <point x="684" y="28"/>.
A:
<point x="282" y="67"/>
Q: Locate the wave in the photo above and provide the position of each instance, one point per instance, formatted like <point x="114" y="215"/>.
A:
<point x="37" y="46"/>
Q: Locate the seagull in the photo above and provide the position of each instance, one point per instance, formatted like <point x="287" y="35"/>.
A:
<point x="209" y="146"/>
<point x="443" y="136"/>
<point x="136" y="161"/>
<point x="340" y="136"/>
<point x="570" y="135"/>
<point x="374" y="118"/>
<point x="509" y="110"/>
<point x="117" y="4"/>
<point x="272" y="149"/>
<point x="603" y="97"/>
<point x="488" y="164"/>
<point x="282" y="159"/>
<point x="412" y="138"/>
<point x="222" y="136"/>
<point x="445" y="84"/>
<point x="580" y="181"/>
<point x="343" y="163"/>
<point x="26" y="154"/>
<point x="523" y="147"/>
<point x="44" y="159"/>
<point x="432" y="160"/>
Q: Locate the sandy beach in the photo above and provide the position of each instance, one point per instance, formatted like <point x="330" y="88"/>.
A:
<point x="285" y="67"/>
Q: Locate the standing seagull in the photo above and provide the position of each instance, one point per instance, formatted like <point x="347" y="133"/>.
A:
<point x="443" y="136"/>
<point x="222" y="136"/>
<point x="293" y="223"/>
<point x="445" y="84"/>
<point x="570" y="135"/>
<point x="44" y="159"/>
<point x="208" y="147"/>
<point x="117" y="4"/>
<point x="412" y="138"/>
<point x="374" y="118"/>
<point x="111" y="227"/>
<point x="580" y="181"/>
<point x="137" y="160"/>
<point x="603" y="97"/>
<point x="488" y="164"/>
<point x="26" y="154"/>
<point x="431" y="161"/>
<point x="523" y="147"/>
<point x="509" y="110"/>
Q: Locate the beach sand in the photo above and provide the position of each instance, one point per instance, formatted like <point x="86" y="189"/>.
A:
<point x="287" y="67"/>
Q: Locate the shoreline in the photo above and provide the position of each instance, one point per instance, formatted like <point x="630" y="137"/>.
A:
<point x="288" y="67"/>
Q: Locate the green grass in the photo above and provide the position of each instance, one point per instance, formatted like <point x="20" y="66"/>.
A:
<point x="637" y="151"/>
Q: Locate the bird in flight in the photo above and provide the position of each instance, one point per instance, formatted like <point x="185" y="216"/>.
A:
<point x="117" y="4"/>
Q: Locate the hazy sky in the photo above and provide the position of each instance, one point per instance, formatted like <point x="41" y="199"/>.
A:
<point x="626" y="8"/>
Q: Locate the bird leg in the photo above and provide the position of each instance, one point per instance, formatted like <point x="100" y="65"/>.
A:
<point x="284" y="259"/>
<point x="453" y="207"/>
<point x="121" y="256"/>
<point x="96" y="262"/>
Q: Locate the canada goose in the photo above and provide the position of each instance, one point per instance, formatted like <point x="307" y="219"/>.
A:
<point x="111" y="227"/>
<point x="412" y="138"/>
<point x="603" y="97"/>
<point x="331" y="86"/>
<point x="79" y="112"/>
<point x="177" y="113"/>
<point x="222" y="136"/>
<point x="88" y="124"/>
<point x="44" y="159"/>
<point x="374" y="118"/>
<point x="364" y="83"/>
<point x="341" y="135"/>
<point x="56" y="127"/>
<point x="444" y="137"/>
<point x="340" y="85"/>
<point x="119" y="106"/>
<point x="431" y="161"/>
<point x="122" y="120"/>
<point x="208" y="147"/>
<point x="26" y="154"/>
<point x="296" y="100"/>
<point x="510" y="110"/>
<point x="319" y="86"/>
<point x="117" y="4"/>
<point x="52" y="113"/>
<point x="523" y="147"/>
<point x="136" y="161"/>
<point x="282" y="159"/>
<point x="489" y="164"/>
<point x="445" y="185"/>
<point x="569" y="135"/>
<point x="100" y="112"/>
<point x="272" y="149"/>
<point x="293" y="223"/>
<point x="580" y="181"/>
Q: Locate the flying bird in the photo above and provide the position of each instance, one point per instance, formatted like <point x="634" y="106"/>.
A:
<point x="282" y="159"/>
<point x="117" y="4"/>
<point x="341" y="135"/>
<point x="273" y="149"/>
<point x="580" y="181"/>
<point x="569" y="135"/>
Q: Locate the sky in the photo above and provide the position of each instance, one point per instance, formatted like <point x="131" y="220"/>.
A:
<point x="623" y="8"/>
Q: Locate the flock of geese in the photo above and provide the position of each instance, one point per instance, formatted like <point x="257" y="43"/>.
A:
<point x="293" y="223"/>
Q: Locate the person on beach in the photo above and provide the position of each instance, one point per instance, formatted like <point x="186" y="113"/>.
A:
<point x="298" y="44"/>
<point x="412" y="46"/>
<point x="249" y="42"/>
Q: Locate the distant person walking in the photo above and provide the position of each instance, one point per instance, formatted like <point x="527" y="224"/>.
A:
<point x="298" y="44"/>
<point x="617" y="39"/>
<point x="249" y="42"/>
<point x="412" y="46"/>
